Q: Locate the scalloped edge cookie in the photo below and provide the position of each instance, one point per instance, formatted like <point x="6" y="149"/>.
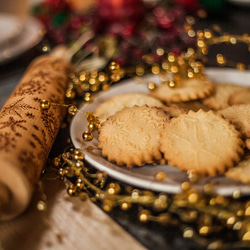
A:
<point x="131" y="136"/>
<point x="117" y="103"/>
<point x="201" y="141"/>
<point x="188" y="89"/>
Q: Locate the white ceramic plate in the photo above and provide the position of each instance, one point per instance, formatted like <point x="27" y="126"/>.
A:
<point x="10" y="27"/>
<point x="240" y="2"/>
<point x="30" y="35"/>
<point x="143" y="177"/>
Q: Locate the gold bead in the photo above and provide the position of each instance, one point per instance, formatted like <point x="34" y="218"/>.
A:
<point x="160" y="51"/>
<point x="83" y="76"/>
<point x="41" y="205"/>
<point x="246" y="236"/>
<point x="79" y="163"/>
<point x="45" y="104"/>
<point x="135" y="194"/>
<point x="193" y="197"/>
<point x="46" y="48"/>
<point x="93" y="81"/>
<point x="105" y="86"/>
<point x="188" y="232"/>
<point x="144" y="215"/>
<point x="231" y="221"/>
<point x="205" y="230"/>
<point x="72" y="190"/>
<point x="186" y="186"/>
<point x="171" y="57"/>
<point x="68" y="171"/>
<point x="240" y="66"/>
<point x="125" y="206"/>
<point x="78" y="154"/>
<point x="101" y="175"/>
<point x="88" y="97"/>
<point x="215" y="245"/>
<point x="114" y="67"/>
<point x="208" y="188"/>
<point x="61" y="171"/>
<point x="200" y="43"/>
<point x="171" y="84"/>
<point x="139" y="70"/>
<point x="247" y="211"/>
<point x="192" y="176"/>
<point x="151" y="86"/>
<point x="92" y="126"/>
<point x="160" y="204"/>
<point x="72" y="110"/>
<point x="191" y="33"/>
<point x="174" y="69"/>
<point x="160" y="176"/>
<point x="56" y="162"/>
<point x="102" y="77"/>
<point x="87" y="135"/>
<point x="220" y="59"/>
<point x="90" y="116"/>
<point x="155" y="69"/>
<point x="70" y="94"/>
<point x="115" y="77"/>
<point x="208" y="34"/>
<point x="79" y="185"/>
<point x="107" y="205"/>
<point x="114" y="188"/>
<point x="237" y="226"/>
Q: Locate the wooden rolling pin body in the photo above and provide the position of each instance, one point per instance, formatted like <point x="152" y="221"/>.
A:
<point x="27" y="133"/>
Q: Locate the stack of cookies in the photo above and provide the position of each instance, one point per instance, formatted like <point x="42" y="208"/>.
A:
<point x="195" y="126"/>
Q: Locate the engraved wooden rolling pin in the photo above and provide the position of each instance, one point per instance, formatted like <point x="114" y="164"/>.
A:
<point x="27" y="133"/>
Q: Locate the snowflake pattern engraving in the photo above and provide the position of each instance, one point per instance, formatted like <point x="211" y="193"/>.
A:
<point x="13" y="124"/>
<point x="15" y="108"/>
<point x="7" y="142"/>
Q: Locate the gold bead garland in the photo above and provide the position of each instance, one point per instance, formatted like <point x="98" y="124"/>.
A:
<point x="208" y="38"/>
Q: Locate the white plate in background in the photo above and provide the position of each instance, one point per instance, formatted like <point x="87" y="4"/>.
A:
<point x="10" y="27"/>
<point x="144" y="177"/>
<point x="240" y="2"/>
<point x="30" y="36"/>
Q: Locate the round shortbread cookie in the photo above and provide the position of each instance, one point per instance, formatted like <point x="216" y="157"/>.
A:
<point x="240" y="97"/>
<point x="241" y="172"/>
<point x="117" y="103"/>
<point x="186" y="90"/>
<point x="190" y="105"/>
<point x="201" y="141"/>
<point x="220" y="98"/>
<point x="239" y="115"/>
<point x="131" y="136"/>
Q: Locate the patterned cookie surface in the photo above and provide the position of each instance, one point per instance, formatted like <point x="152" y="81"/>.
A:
<point x="117" y="103"/>
<point x="131" y="136"/>
<point x="220" y="98"/>
<point x="241" y="172"/>
<point x="201" y="141"/>
<point x="186" y="90"/>
<point x="240" y="97"/>
<point x="239" y="115"/>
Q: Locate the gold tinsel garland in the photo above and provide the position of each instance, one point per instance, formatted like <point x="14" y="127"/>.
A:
<point x="202" y="216"/>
